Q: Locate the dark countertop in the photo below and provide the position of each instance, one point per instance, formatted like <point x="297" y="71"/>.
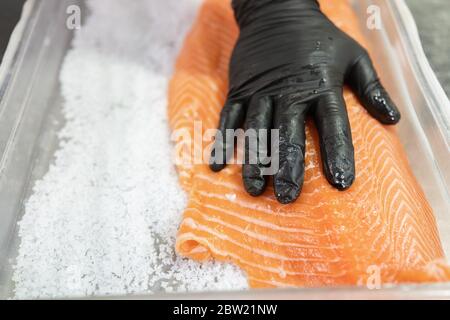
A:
<point x="433" y="21"/>
<point x="10" y="11"/>
<point x="432" y="18"/>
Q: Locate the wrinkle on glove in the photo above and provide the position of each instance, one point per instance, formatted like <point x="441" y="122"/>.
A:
<point x="291" y="61"/>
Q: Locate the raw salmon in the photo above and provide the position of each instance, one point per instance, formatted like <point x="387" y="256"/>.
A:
<point x="381" y="227"/>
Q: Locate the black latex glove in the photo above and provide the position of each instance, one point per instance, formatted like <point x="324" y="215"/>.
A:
<point x="290" y="61"/>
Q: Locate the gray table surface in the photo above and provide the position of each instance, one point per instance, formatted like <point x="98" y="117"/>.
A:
<point x="10" y="11"/>
<point x="433" y="21"/>
<point x="432" y="18"/>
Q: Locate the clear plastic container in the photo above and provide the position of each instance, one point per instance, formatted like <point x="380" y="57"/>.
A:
<point x="30" y="118"/>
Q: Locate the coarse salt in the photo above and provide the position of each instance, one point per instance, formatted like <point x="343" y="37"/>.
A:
<point x="104" y="219"/>
<point x="230" y="196"/>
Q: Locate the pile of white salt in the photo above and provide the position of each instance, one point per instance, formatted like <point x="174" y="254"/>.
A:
<point x="103" y="220"/>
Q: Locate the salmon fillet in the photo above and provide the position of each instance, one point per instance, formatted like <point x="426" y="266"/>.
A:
<point x="382" y="226"/>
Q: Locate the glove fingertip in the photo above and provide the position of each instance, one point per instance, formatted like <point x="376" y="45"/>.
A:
<point x="254" y="183"/>
<point x="341" y="180"/>
<point x="288" y="182"/>
<point x="339" y="163"/>
<point x="216" y="167"/>
<point x="382" y="107"/>
<point x="286" y="192"/>
<point x="214" y="164"/>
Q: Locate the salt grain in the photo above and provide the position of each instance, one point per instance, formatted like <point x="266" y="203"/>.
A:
<point x="103" y="220"/>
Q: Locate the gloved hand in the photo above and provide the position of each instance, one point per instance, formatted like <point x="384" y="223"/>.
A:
<point x="291" y="60"/>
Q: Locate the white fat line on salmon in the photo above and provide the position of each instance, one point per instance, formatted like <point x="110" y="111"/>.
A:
<point x="192" y="105"/>
<point x="378" y="222"/>
<point x="415" y="231"/>
<point x="237" y="188"/>
<point x="253" y="205"/>
<point x="261" y="237"/>
<point x="184" y="173"/>
<point x="186" y="124"/>
<point x="267" y="211"/>
<point x="310" y="166"/>
<point x="231" y="186"/>
<point x="188" y="84"/>
<point x="226" y="35"/>
<point x="379" y="147"/>
<point x="386" y="144"/>
<point x="397" y="250"/>
<point x="409" y="252"/>
<point x="199" y="249"/>
<point x="386" y="159"/>
<point x="312" y="179"/>
<point x="386" y="185"/>
<point x="434" y="269"/>
<point x="365" y="184"/>
<point x="382" y="227"/>
<point x="411" y="257"/>
<point x="226" y="254"/>
<point x="388" y="195"/>
<point x="394" y="171"/>
<point x="264" y="253"/>
<point x="261" y="223"/>
<point x="188" y="114"/>
<point x="185" y="120"/>
<point x="383" y="246"/>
